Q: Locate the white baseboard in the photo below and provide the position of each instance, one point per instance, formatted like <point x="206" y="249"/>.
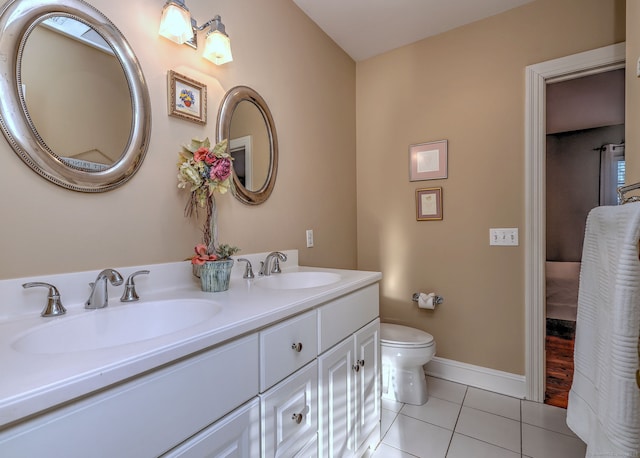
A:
<point x="477" y="376"/>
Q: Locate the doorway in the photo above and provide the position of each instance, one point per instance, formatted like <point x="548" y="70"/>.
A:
<point x="584" y="148"/>
<point x="537" y="78"/>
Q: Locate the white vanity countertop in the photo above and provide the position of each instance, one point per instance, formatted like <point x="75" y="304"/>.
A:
<point x="31" y="383"/>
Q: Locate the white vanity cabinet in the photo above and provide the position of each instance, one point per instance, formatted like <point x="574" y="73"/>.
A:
<point x="349" y="389"/>
<point x="305" y="386"/>
<point x="349" y="376"/>
<point x="338" y="394"/>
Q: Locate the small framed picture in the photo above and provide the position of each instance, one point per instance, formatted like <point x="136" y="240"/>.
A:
<point x="428" y="161"/>
<point x="429" y="204"/>
<point x="187" y="98"/>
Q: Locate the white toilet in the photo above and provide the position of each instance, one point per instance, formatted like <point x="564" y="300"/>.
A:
<point x="405" y="351"/>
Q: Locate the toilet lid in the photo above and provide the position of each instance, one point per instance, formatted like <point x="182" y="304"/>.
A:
<point x="404" y="336"/>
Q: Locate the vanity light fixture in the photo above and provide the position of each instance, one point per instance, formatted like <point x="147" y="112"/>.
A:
<point x="178" y="26"/>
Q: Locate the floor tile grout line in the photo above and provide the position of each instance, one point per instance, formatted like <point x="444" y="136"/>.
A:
<point x="496" y="414"/>
<point x="572" y="435"/>
<point x="395" y="417"/>
<point x="424" y="421"/>
<point x="519" y="422"/>
<point x="489" y="443"/>
<point x="456" y="423"/>
<point x="521" y="432"/>
<point x="400" y="450"/>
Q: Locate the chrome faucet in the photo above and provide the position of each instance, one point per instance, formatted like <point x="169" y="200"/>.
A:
<point x="99" y="297"/>
<point x="265" y="267"/>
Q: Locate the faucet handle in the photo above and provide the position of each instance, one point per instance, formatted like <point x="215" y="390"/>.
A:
<point x="248" y="271"/>
<point x="129" y="294"/>
<point x="54" y="305"/>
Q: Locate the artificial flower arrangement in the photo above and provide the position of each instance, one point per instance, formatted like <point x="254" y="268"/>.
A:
<point x="205" y="171"/>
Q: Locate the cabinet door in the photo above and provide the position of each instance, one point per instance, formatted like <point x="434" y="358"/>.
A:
<point x="368" y="383"/>
<point x="235" y="436"/>
<point x="310" y="450"/>
<point x="290" y="413"/>
<point x="336" y="388"/>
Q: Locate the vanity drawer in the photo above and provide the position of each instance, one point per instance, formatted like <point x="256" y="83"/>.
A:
<point x="290" y="414"/>
<point x="286" y="347"/>
<point x="341" y="317"/>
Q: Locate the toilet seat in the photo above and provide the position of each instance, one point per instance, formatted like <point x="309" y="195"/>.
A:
<point x="403" y="336"/>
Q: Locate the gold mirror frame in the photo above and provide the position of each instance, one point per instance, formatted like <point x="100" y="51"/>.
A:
<point x="225" y="114"/>
<point x="17" y="20"/>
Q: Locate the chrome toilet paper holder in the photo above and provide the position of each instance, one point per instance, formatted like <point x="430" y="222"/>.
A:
<point x="437" y="300"/>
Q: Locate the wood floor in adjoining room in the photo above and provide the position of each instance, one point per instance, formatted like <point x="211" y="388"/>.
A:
<point x="559" y="365"/>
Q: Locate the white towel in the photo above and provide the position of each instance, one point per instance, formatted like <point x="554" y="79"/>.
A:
<point x="604" y="401"/>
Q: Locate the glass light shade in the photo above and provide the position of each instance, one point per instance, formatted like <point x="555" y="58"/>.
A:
<point x="217" y="48"/>
<point x="176" y="24"/>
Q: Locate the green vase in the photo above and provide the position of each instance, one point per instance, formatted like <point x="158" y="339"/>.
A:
<point x="215" y="275"/>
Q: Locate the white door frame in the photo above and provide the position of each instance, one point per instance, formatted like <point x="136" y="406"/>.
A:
<point x="537" y="76"/>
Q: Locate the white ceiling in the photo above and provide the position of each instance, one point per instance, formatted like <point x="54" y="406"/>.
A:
<point x="366" y="28"/>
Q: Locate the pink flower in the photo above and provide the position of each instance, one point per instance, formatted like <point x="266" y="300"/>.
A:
<point x="201" y="255"/>
<point x="200" y="154"/>
<point x="221" y="169"/>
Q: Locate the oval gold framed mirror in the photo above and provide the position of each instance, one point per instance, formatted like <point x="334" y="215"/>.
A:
<point x="76" y="112"/>
<point x="245" y="120"/>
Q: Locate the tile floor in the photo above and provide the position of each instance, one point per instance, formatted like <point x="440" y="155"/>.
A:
<point x="465" y="422"/>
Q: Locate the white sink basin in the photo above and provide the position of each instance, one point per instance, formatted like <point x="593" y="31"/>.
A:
<point x="115" y="325"/>
<point x="298" y="280"/>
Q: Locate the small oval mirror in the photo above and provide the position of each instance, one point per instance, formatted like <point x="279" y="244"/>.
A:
<point x="245" y="120"/>
<point x="61" y="60"/>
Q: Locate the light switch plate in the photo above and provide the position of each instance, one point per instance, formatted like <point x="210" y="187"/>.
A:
<point x="309" y="238"/>
<point x="506" y="236"/>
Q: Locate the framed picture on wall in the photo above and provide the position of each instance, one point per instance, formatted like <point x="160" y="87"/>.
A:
<point x="428" y="161"/>
<point x="187" y="98"/>
<point x="429" y="204"/>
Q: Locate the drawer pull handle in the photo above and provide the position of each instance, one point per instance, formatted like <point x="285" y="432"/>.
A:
<point x="297" y="417"/>
<point x="297" y="347"/>
<point x="356" y="367"/>
<point x="361" y="362"/>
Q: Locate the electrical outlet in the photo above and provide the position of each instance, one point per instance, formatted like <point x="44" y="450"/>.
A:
<point x="309" y="238"/>
<point x="504" y="236"/>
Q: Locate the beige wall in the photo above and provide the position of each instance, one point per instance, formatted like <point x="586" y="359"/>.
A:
<point x="309" y="84"/>
<point x="466" y="86"/>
